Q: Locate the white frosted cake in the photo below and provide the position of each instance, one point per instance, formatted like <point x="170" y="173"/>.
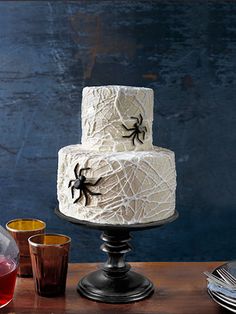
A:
<point x="116" y="176"/>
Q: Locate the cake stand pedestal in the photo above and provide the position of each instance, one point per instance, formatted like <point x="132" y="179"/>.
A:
<point x="115" y="282"/>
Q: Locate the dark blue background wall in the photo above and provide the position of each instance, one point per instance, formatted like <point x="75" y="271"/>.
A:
<point x="184" y="50"/>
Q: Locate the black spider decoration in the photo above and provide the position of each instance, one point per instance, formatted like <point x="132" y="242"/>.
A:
<point x="137" y="129"/>
<point x="81" y="184"/>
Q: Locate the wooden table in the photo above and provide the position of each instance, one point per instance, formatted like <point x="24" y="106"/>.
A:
<point x="180" y="289"/>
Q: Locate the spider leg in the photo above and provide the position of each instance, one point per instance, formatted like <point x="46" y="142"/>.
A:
<point x="93" y="184"/>
<point x="86" y="197"/>
<point x="72" y="192"/>
<point x="139" y="139"/>
<point x="76" y="170"/>
<point x="145" y="128"/>
<point x="83" y="169"/>
<point x="80" y="195"/>
<point x="127" y="136"/>
<point x="134" y="138"/>
<point x="131" y="129"/>
<point x="135" y="118"/>
<point x="141" y="119"/>
<point x="70" y="183"/>
<point x="143" y="135"/>
<point x="92" y="193"/>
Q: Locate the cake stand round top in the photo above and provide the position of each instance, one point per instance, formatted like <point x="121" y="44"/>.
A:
<point x="118" y="227"/>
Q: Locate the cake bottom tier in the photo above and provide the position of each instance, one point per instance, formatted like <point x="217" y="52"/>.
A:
<point x="133" y="187"/>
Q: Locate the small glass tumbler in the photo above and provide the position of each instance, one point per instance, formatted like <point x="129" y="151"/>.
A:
<point x="49" y="255"/>
<point x="21" y="229"/>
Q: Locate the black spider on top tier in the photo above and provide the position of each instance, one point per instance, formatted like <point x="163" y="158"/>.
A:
<point x="137" y="129"/>
<point x="81" y="184"/>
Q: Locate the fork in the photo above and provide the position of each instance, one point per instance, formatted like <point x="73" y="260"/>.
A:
<point x="224" y="274"/>
<point x="219" y="281"/>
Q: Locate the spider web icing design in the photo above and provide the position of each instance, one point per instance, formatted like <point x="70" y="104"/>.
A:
<point x="137" y="186"/>
<point x="105" y="109"/>
<point x="138" y="182"/>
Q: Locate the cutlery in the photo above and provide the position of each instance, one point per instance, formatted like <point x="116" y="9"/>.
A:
<point x="219" y="281"/>
<point x="224" y="274"/>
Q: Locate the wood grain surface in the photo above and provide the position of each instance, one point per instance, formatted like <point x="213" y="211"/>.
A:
<point x="180" y="288"/>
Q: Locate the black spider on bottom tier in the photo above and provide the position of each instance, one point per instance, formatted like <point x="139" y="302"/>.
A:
<point x="81" y="184"/>
<point x="137" y="129"/>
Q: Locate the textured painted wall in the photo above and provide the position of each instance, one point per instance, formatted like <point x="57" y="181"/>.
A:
<point x="185" y="51"/>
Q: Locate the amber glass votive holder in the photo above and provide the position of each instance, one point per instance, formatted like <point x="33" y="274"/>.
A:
<point x="21" y="229"/>
<point x="49" y="256"/>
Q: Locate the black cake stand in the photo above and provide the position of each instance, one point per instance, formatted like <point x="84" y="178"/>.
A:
<point x="115" y="282"/>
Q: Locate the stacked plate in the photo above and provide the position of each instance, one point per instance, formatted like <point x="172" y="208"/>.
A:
<point x="224" y="295"/>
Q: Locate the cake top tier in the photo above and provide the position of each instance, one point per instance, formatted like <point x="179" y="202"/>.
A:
<point x="117" y="118"/>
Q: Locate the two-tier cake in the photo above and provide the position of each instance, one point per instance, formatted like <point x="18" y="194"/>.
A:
<point x="116" y="176"/>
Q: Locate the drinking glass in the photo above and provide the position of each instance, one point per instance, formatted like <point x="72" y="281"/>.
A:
<point x="21" y="229"/>
<point x="49" y="256"/>
<point x="9" y="260"/>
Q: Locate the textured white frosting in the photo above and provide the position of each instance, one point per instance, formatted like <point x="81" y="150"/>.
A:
<point x="136" y="187"/>
<point x="106" y="108"/>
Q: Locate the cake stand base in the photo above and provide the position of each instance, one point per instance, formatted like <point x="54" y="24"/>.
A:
<point x="132" y="287"/>
<point x="115" y="282"/>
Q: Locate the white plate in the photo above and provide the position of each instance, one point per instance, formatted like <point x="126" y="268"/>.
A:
<point x="221" y="303"/>
<point x="222" y="300"/>
<point x="225" y="299"/>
